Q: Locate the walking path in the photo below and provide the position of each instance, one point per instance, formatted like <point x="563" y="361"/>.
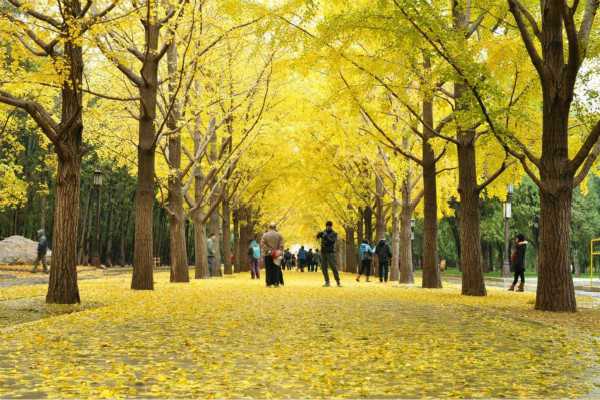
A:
<point x="224" y="338"/>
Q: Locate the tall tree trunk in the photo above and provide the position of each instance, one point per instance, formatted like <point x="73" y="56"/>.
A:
<point x="227" y="267"/>
<point x="360" y="233"/>
<point x="379" y="210"/>
<point x="406" y="262"/>
<point x="245" y="237"/>
<point x="142" y="278"/>
<point x="395" y="267"/>
<point x="236" y="239"/>
<point x="368" y="215"/>
<point x="214" y="225"/>
<point x="470" y="243"/>
<point x="350" y="248"/>
<point x="177" y="239"/>
<point x="83" y="229"/>
<point x="107" y="247"/>
<point x="62" y="285"/>
<point x="201" y="260"/>
<point x="555" y="290"/>
<point x="431" y="270"/>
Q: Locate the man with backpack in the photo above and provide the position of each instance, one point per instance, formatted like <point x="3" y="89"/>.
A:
<point x="328" y="239"/>
<point x="365" y="255"/>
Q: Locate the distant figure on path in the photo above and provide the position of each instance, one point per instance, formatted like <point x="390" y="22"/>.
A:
<point x="316" y="260"/>
<point x="365" y="255"/>
<point x="287" y="259"/>
<point x="254" y="256"/>
<point x="309" y="260"/>
<point x="272" y="248"/>
<point x="42" y="249"/>
<point x="302" y="258"/>
<point x="210" y="253"/>
<point x="384" y="255"/>
<point x="328" y="238"/>
<point x="518" y="261"/>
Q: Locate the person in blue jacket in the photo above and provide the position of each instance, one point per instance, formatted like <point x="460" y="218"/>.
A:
<point x="365" y="255"/>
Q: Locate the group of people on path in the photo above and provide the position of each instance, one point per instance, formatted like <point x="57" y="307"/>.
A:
<point x="367" y="254"/>
<point x="276" y="258"/>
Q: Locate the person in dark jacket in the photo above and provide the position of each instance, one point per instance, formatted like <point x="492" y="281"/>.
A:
<point x="309" y="260"/>
<point x="302" y="258"/>
<point x="518" y="262"/>
<point x="42" y="249"/>
<point x="384" y="256"/>
<point x="328" y="239"/>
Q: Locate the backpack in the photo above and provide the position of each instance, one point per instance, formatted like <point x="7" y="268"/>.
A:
<point x="256" y="252"/>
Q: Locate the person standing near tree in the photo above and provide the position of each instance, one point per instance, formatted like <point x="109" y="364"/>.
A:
<point x="210" y="253"/>
<point x="384" y="255"/>
<point x="254" y="256"/>
<point x="272" y="249"/>
<point x="518" y="261"/>
<point x="328" y="239"/>
<point x="42" y="249"/>
<point x="365" y="255"/>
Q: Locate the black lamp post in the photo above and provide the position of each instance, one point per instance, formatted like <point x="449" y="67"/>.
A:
<point x="97" y="183"/>
<point x="507" y="214"/>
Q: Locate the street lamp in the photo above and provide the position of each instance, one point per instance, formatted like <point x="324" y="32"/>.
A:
<point x="507" y="214"/>
<point x="97" y="183"/>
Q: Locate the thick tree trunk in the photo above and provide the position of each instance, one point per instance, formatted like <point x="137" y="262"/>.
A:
<point x="368" y="215"/>
<point x="227" y="265"/>
<point x="83" y="229"/>
<point x="201" y="259"/>
<point x="350" y="249"/>
<point x="142" y="278"/>
<point x="360" y="233"/>
<point x="470" y="243"/>
<point x="431" y="271"/>
<point x="236" y="240"/>
<point x="395" y="267"/>
<point x="379" y="210"/>
<point x="406" y="262"/>
<point x="62" y="285"/>
<point x="177" y="240"/>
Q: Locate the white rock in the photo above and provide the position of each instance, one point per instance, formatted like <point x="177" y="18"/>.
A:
<point x="19" y="250"/>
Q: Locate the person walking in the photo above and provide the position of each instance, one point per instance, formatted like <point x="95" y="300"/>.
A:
<point x="302" y="258"/>
<point x="271" y="246"/>
<point x="316" y="260"/>
<point x="365" y="255"/>
<point x="210" y="253"/>
<point x="309" y="260"/>
<point x="328" y="239"/>
<point x="384" y="255"/>
<point x="287" y="259"/>
<point x="254" y="256"/>
<point x="42" y="250"/>
<point x="518" y="261"/>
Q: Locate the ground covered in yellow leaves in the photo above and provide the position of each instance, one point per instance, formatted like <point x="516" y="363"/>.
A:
<point x="233" y="337"/>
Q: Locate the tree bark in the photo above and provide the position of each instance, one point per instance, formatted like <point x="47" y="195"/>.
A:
<point x="350" y="249"/>
<point x="431" y="270"/>
<point x="201" y="259"/>
<point x="406" y="262"/>
<point x="379" y="210"/>
<point x="395" y="267"/>
<point x="227" y="265"/>
<point x="142" y="278"/>
<point x="368" y="216"/>
<point x="236" y="240"/>
<point x="177" y="240"/>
